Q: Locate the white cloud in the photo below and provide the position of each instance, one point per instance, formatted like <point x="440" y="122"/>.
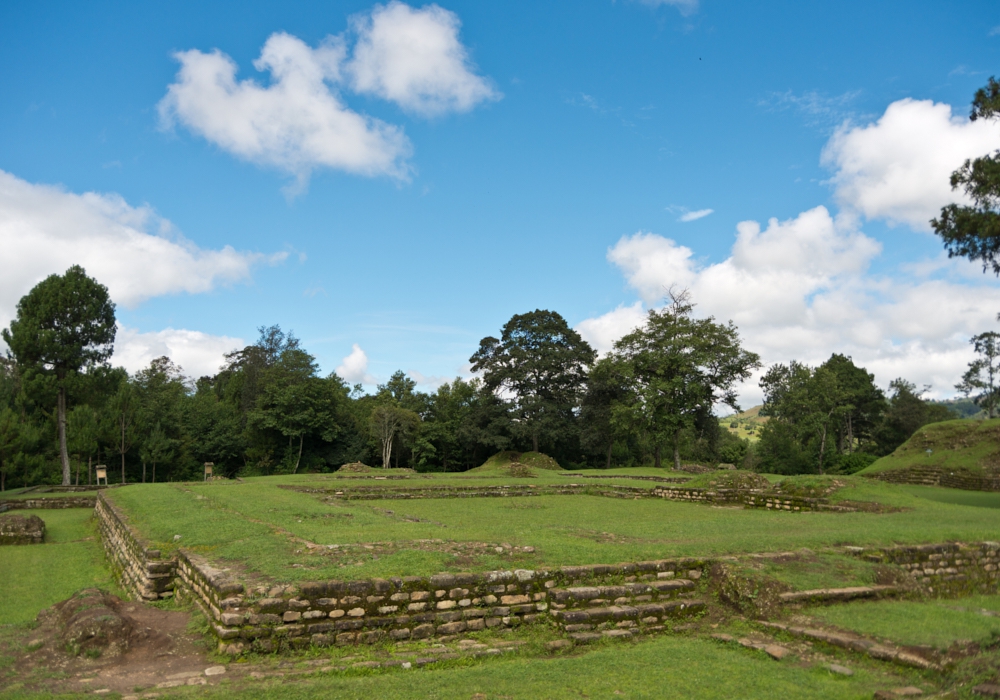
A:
<point x="199" y="354"/>
<point x="695" y="215"/>
<point x="296" y="123"/>
<point x="414" y="58"/>
<point x="898" y="168"/>
<point x="131" y="250"/>
<point x="685" y="7"/>
<point x="354" y="368"/>
<point x="428" y="382"/>
<point x="800" y="289"/>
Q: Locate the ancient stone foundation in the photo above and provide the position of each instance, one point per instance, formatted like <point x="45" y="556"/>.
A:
<point x="940" y="476"/>
<point x="21" y="529"/>
<point x="139" y="570"/>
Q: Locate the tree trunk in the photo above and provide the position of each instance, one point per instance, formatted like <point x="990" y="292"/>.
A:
<point x="63" y="453"/>
<point x="607" y="464"/>
<point x="154" y="472"/>
<point x="79" y="463"/>
<point x="534" y="442"/>
<point x="397" y="457"/>
<point x="822" y="448"/>
<point x="656" y="457"/>
<point x="144" y="471"/>
<point x="89" y="470"/>
<point x="299" y="458"/>
<point x="677" y="450"/>
<point x="850" y="435"/>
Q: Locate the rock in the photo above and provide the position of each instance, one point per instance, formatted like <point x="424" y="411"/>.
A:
<point x="559" y="644"/>
<point x="724" y="637"/>
<point x="840" y="670"/>
<point x="990" y="690"/>
<point x="776" y="652"/>
<point x="91" y="623"/>
<point x="215" y="670"/>
<point x="894" y="693"/>
<point x="21" y="529"/>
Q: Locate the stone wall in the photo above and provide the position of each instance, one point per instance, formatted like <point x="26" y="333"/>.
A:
<point x="953" y="568"/>
<point x="939" y="476"/>
<point x="644" y="594"/>
<point x="51" y="502"/>
<point x="506" y="491"/>
<point x="141" y="571"/>
<point x="748" y="499"/>
<point x="21" y="529"/>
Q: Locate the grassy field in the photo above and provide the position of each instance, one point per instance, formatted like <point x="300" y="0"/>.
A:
<point x="266" y="528"/>
<point x="936" y="623"/>
<point x="38" y="575"/>
<point x="968" y="444"/>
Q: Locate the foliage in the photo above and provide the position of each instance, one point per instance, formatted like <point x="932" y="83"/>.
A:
<point x="64" y="325"/>
<point x="907" y="412"/>
<point x="541" y="363"/>
<point x="973" y="232"/>
<point x="984" y="372"/>
<point x="676" y="368"/>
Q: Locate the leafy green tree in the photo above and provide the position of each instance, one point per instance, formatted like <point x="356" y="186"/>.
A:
<point x="605" y="388"/>
<point x="541" y="363"/>
<point x="983" y="373"/>
<point x="64" y="325"/>
<point x="387" y="421"/>
<point x="156" y="448"/>
<point x="973" y="231"/>
<point x="120" y="427"/>
<point x="677" y="367"/>
<point x="84" y="432"/>
<point x="907" y="412"/>
<point x="295" y="402"/>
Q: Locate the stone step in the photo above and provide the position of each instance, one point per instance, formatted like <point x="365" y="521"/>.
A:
<point x="821" y="595"/>
<point x="650" y="612"/>
<point x="585" y="593"/>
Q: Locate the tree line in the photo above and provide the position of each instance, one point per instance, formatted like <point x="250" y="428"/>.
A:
<point x="539" y="386"/>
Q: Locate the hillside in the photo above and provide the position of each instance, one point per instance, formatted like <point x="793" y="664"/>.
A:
<point x="746" y="425"/>
<point x="962" y="453"/>
<point x="518" y="464"/>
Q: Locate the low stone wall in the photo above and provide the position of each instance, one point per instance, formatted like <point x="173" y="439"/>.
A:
<point x="414" y="607"/>
<point x="51" y="502"/>
<point x="953" y="568"/>
<point x="377" y="493"/>
<point x="141" y="571"/>
<point x="748" y="499"/>
<point x="939" y="476"/>
<point x="20" y="529"/>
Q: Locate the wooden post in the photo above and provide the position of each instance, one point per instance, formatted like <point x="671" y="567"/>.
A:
<point x="208" y="469"/>
<point x="102" y="473"/>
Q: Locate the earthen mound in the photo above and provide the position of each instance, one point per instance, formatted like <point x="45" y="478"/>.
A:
<point x="356" y="468"/>
<point x="91" y="623"/>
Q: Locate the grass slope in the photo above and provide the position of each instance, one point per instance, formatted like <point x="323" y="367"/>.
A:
<point x="36" y="576"/>
<point x="972" y="445"/>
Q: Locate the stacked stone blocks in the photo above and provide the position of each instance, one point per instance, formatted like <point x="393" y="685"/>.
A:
<point x="140" y="571"/>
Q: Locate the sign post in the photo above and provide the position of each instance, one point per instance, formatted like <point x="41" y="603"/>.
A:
<point x="102" y="473"/>
<point x="208" y="469"/>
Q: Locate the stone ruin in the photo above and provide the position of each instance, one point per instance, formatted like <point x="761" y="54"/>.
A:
<point x="21" y="529"/>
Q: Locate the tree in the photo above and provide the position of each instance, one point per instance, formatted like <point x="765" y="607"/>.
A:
<point x="605" y="388"/>
<point x="64" y="325"/>
<point x="983" y="372"/>
<point x="157" y="447"/>
<point x="541" y="363"/>
<point x="121" y="428"/>
<point x="973" y="231"/>
<point x="84" y="432"/>
<point x="387" y="420"/>
<point x="676" y="367"/>
<point x="907" y="412"/>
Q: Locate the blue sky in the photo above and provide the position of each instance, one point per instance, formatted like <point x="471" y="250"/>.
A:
<point x="522" y="156"/>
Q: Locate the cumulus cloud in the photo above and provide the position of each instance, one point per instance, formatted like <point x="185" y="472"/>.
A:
<point x="131" y="250"/>
<point x="898" y="167"/>
<point x="354" y="368"/>
<point x="198" y="354"/>
<point x="800" y="289"/>
<point x="296" y="123"/>
<point x="414" y="58"/>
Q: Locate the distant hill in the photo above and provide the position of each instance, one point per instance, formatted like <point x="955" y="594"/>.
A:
<point x="746" y="425"/>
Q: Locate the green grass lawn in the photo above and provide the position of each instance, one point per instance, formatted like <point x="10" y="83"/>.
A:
<point x="936" y="622"/>
<point x="259" y="525"/>
<point x="37" y="575"/>
<point x="976" y="499"/>
<point x="804" y="572"/>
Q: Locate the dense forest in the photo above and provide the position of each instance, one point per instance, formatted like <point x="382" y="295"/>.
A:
<point x="538" y="386"/>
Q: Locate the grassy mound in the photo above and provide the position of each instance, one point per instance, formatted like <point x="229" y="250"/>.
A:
<point x="517" y="464"/>
<point x="967" y="444"/>
<point x="356" y="468"/>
